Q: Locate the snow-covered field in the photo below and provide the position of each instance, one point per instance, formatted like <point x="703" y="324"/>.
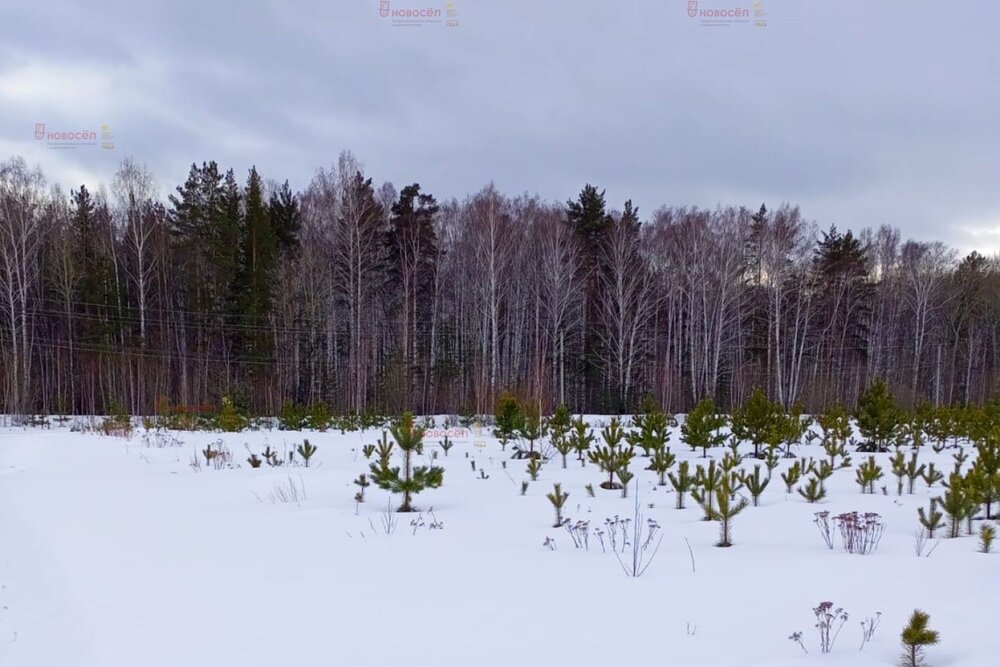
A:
<point x="116" y="553"/>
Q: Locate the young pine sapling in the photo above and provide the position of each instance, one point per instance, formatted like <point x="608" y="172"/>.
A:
<point x="306" y="451"/>
<point x="682" y="482"/>
<point x="931" y="520"/>
<point x="792" y="476"/>
<point x="706" y="483"/>
<point x="813" y="491"/>
<point x="867" y="474"/>
<point x="756" y="484"/>
<point x="726" y="507"/>
<point x="412" y="479"/>
<point x="702" y="427"/>
<point x="661" y="462"/>
<point x="987" y="533"/>
<point x="558" y="498"/>
<point x="534" y="467"/>
<point x="915" y="636"/>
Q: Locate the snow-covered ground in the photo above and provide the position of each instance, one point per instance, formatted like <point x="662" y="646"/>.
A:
<point x="115" y="553"/>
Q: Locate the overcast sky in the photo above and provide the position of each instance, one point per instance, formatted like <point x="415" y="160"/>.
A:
<point x="863" y="112"/>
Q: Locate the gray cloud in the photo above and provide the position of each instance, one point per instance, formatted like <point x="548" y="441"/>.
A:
<point x="862" y="113"/>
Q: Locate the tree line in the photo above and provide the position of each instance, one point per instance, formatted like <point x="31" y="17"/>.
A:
<point x="368" y="298"/>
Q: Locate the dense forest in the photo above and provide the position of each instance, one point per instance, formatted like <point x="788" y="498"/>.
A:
<point x="369" y="298"/>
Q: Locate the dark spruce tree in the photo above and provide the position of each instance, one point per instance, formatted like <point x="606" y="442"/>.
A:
<point x="411" y="254"/>
<point x="286" y="218"/>
<point x="258" y="259"/>
<point x="588" y="218"/>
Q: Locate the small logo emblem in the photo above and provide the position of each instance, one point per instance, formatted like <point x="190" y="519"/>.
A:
<point x="39" y="131"/>
<point x="692" y="8"/>
<point x="383" y="8"/>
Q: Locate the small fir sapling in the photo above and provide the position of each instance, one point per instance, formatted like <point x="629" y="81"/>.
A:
<point x="987" y="533"/>
<point x="532" y="431"/>
<point x="682" y="482"/>
<point x="611" y="457"/>
<point x="507" y="419"/>
<point x="792" y="476"/>
<point x="771" y="459"/>
<point x="362" y="483"/>
<point x="524" y="488"/>
<point x="624" y="477"/>
<point x="898" y="463"/>
<point x="808" y="465"/>
<point x="877" y="416"/>
<point x="729" y="461"/>
<point x="756" y="484"/>
<point x="757" y="420"/>
<point x="706" y="483"/>
<point x="306" y="451"/>
<point x="367" y="451"/>
<point x="581" y="438"/>
<point x="960" y="457"/>
<point x="734" y="446"/>
<point x="813" y="491"/>
<point x="836" y="425"/>
<point x="534" y="467"/>
<point x="867" y="474"/>
<point x="985" y="473"/>
<point x="823" y="472"/>
<point x="932" y="519"/>
<point x="558" y="498"/>
<point x="939" y="427"/>
<point x="412" y="479"/>
<point x="446" y="444"/>
<point x="932" y="476"/>
<point x="271" y="457"/>
<point x="589" y="488"/>
<point x="562" y="444"/>
<point x="661" y="462"/>
<point x="912" y="430"/>
<point x="726" y="507"/>
<point x="955" y="503"/>
<point x="229" y="419"/>
<point x="384" y="450"/>
<point x="702" y="427"/>
<point x="652" y="434"/>
<point x="737" y="481"/>
<point x="793" y="427"/>
<point x="560" y="422"/>
<point x="913" y="471"/>
<point x="833" y="450"/>
<point x="915" y="636"/>
<point x="255" y="461"/>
